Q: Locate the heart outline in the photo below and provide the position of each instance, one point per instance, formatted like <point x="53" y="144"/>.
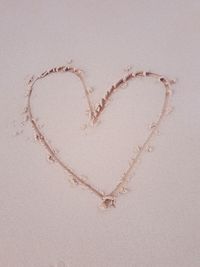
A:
<point x="109" y="200"/>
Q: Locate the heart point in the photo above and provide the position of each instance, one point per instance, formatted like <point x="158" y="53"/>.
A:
<point x="108" y="202"/>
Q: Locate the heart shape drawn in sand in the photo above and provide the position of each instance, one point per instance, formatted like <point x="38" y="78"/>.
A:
<point x="108" y="200"/>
